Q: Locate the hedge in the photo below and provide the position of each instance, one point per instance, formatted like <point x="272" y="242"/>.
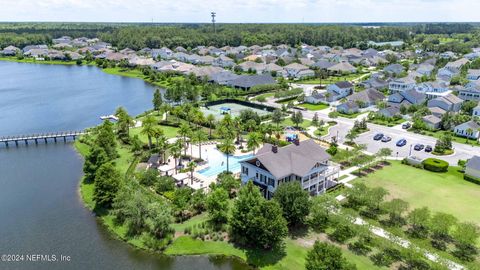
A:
<point x="435" y="165"/>
<point x="471" y="179"/>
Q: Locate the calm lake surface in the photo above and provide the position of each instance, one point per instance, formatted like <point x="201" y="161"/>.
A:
<point x="41" y="212"/>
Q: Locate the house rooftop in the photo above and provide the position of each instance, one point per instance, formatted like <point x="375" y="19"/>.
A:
<point x="473" y="163"/>
<point x="292" y="159"/>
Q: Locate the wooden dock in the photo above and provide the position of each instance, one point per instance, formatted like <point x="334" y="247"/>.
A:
<point x="39" y="137"/>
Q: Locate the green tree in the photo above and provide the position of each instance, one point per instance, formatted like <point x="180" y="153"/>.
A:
<point x="106" y="185"/>
<point x="294" y="201"/>
<point x="148" y="129"/>
<point x="254" y="140"/>
<point x="466" y="236"/>
<point x="395" y="208"/>
<point x="419" y="219"/>
<point x="176" y="152"/>
<point x="105" y="139"/>
<point x="315" y="121"/>
<point x="441" y="225"/>
<point x="95" y="158"/>
<point x="124" y="122"/>
<point x="256" y="221"/>
<point x="325" y="256"/>
<point x="321" y="211"/>
<point x="297" y="118"/>
<point x="228" y="148"/>
<point x="211" y="124"/>
<point x="277" y="117"/>
<point x="191" y="168"/>
<point x="217" y="206"/>
<point x="199" y="137"/>
<point x="184" y="131"/>
<point x="157" y="100"/>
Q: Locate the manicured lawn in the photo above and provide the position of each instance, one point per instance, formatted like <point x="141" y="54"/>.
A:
<point x="138" y="74"/>
<point x="294" y="257"/>
<point x="388" y="123"/>
<point x="262" y="96"/>
<point x="351" y="116"/>
<point x="322" y="131"/>
<point x="179" y="227"/>
<point x="168" y="131"/>
<point x="331" y="79"/>
<point x="288" y="122"/>
<point x="313" y="107"/>
<point x="446" y="192"/>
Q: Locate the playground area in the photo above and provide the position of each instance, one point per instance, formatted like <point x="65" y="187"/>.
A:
<point x="233" y="109"/>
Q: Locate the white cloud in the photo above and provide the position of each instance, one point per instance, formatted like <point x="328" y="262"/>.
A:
<point x="240" y="10"/>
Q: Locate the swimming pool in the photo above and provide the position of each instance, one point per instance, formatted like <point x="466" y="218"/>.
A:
<point x="217" y="163"/>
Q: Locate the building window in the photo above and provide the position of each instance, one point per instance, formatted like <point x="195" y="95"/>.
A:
<point x="271" y="182"/>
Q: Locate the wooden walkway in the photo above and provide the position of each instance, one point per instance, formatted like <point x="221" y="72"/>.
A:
<point x="39" y="137"/>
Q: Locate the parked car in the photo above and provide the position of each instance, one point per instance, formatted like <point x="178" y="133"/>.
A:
<point x="418" y="147"/>
<point x="401" y="142"/>
<point x="406" y="125"/>
<point x="378" y="137"/>
<point x="428" y="149"/>
<point x="386" y="139"/>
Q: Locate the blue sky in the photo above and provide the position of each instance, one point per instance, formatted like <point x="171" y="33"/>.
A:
<point x="241" y="10"/>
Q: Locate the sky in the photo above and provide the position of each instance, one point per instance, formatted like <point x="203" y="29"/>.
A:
<point x="241" y="11"/>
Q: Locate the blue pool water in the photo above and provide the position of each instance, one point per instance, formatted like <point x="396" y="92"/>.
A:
<point x="215" y="159"/>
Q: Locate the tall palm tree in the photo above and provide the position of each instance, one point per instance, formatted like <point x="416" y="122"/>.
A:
<point x="148" y="128"/>
<point x="191" y="168"/>
<point x="176" y="151"/>
<point x="157" y="133"/>
<point x="238" y="128"/>
<point x="199" y="137"/>
<point x="162" y="147"/>
<point x="211" y="124"/>
<point x="184" y="132"/>
<point x="228" y="148"/>
<point x="253" y="141"/>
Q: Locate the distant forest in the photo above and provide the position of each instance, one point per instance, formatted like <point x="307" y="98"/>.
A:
<point x="137" y="36"/>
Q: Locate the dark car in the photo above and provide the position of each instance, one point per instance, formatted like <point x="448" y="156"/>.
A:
<point x="407" y="125"/>
<point x="378" y="137"/>
<point x="386" y="139"/>
<point x="401" y="142"/>
<point x="428" y="149"/>
<point x="418" y="147"/>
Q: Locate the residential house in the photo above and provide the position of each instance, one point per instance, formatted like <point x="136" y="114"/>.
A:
<point x="342" y="67"/>
<point x="394" y="69"/>
<point x="315" y="98"/>
<point x="438" y="112"/>
<point x="306" y="162"/>
<point x="339" y="90"/>
<point x="473" y="74"/>
<point x="375" y="82"/>
<point x="425" y="69"/>
<point x="447" y="55"/>
<point x="401" y="85"/>
<point x="389" y="112"/>
<point x="468" y="129"/>
<point x="62" y="40"/>
<point x="349" y="107"/>
<point x="450" y="103"/>
<point x="323" y="64"/>
<point x="180" y="56"/>
<point x="433" y="89"/>
<point x="259" y="68"/>
<point x="10" y="51"/>
<point x="223" y="78"/>
<point x="476" y="111"/>
<point x="433" y="122"/>
<point x="452" y="69"/>
<point x="273" y="68"/>
<point x="206" y="71"/>
<point x="472" y="167"/>
<point x="298" y="71"/>
<point x="140" y="61"/>
<point x="223" y="61"/>
<point x="406" y="98"/>
<point x="246" y="82"/>
<point x="366" y="98"/>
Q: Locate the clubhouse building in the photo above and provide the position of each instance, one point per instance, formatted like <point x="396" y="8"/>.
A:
<point x="306" y="162"/>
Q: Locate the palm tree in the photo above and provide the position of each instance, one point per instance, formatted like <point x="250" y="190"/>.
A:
<point x="211" y="124"/>
<point x="238" y="128"/>
<point x="228" y="148"/>
<point x="158" y="132"/>
<point x="184" y="131"/>
<point x="199" y="137"/>
<point x="191" y="168"/>
<point x="162" y="147"/>
<point x="253" y="141"/>
<point x="176" y="151"/>
<point x="148" y="128"/>
<point x="469" y="133"/>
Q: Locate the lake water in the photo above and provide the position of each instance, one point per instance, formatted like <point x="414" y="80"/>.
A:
<point x="41" y="212"/>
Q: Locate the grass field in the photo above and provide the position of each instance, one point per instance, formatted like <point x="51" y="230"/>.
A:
<point x="292" y="258"/>
<point x="446" y="192"/>
<point x="437" y="134"/>
<point x="313" y="107"/>
<point x="331" y="79"/>
<point x="288" y="123"/>
<point x="33" y="61"/>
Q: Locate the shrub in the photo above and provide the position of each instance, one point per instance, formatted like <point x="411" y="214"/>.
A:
<point x="471" y="179"/>
<point x="435" y="165"/>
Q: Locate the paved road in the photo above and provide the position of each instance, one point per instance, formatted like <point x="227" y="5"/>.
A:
<point x="462" y="151"/>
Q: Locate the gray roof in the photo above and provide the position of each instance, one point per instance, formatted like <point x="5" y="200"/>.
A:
<point x="369" y="95"/>
<point x="247" y="81"/>
<point x="344" y="84"/>
<point x="291" y="159"/>
<point x="322" y="64"/>
<point x="432" y="119"/>
<point x="473" y="163"/>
